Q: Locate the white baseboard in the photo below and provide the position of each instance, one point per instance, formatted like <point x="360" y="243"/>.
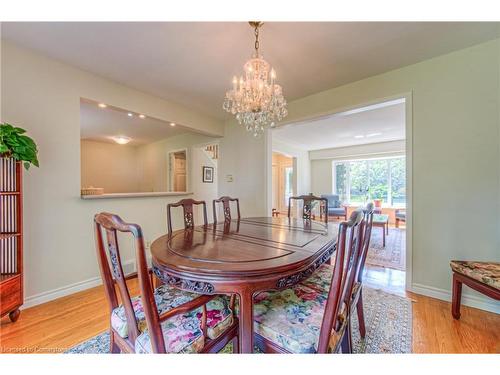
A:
<point x="37" y="299"/>
<point x="53" y="294"/>
<point x="485" y="303"/>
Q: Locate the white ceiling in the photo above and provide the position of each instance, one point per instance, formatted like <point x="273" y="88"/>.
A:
<point x="101" y="124"/>
<point x="192" y="63"/>
<point x="378" y="123"/>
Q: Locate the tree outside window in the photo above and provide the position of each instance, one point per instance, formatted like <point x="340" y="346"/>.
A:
<point x="361" y="180"/>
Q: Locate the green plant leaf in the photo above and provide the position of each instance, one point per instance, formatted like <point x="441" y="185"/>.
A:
<point x="18" y="146"/>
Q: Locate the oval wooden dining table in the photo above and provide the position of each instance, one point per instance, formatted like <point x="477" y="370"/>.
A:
<point x="243" y="257"/>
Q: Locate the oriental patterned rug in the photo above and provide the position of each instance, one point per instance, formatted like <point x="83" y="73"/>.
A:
<point x="394" y="252"/>
<point x="388" y="321"/>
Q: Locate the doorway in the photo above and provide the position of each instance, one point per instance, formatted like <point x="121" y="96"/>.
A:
<point x="178" y="171"/>
<point x="282" y="181"/>
<point x="364" y="153"/>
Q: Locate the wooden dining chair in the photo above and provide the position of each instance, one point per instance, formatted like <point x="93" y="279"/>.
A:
<point x="226" y="207"/>
<point x="306" y="320"/>
<point x="307" y="205"/>
<point x="320" y="280"/>
<point x="357" y="293"/>
<point x="188" y="213"/>
<point x="163" y="320"/>
<point x="483" y="277"/>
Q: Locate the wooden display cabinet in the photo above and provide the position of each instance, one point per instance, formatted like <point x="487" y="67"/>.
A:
<point x="11" y="238"/>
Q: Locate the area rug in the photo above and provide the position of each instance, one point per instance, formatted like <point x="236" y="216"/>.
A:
<point x="393" y="254"/>
<point x="388" y="321"/>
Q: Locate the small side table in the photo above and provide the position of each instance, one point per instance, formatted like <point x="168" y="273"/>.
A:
<point x="383" y="222"/>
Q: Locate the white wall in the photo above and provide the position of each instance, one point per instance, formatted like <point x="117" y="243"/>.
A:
<point x="120" y="174"/>
<point x="321" y="176"/>
<point x="248" y="161"/>
<point x="43" y="96"/>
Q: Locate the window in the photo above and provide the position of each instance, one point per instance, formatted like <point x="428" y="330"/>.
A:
<point x="358" y="186"/>
<point x="360" y="180"/>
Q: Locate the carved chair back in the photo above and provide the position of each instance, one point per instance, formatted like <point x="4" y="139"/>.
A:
<point x="226" y="207"/>
<point x="106" y="227"/>
<point x="188" y="214"/>
<point x="308" y="205"/>
<point x="349" y="243"/>
<point x="368" y="212"/>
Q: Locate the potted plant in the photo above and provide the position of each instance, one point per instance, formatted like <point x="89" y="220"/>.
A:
<point x="14" y="144"/>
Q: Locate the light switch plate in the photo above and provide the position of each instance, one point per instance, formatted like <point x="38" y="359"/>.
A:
<point x="229" y="178"/>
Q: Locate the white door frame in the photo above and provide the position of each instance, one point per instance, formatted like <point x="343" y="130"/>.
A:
<point x="408" y="96"/>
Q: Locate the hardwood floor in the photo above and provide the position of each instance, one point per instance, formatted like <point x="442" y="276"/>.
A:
<point x="58" y="325"/>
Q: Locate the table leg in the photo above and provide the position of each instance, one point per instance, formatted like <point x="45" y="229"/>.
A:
<point x="246" y="322"/>
<point x="383" y="236"/>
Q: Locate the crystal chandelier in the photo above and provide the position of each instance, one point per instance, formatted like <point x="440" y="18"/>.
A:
<point x="256" y="99"/>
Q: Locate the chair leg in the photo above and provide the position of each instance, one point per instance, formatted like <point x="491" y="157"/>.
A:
<point x="236" y="345"/>
<point x="345" y="344"/>
<point x="456" y="298"/>
<point x="113" y="347"/>
<point x="361" y="315"/>
<point x="349" y="334"/>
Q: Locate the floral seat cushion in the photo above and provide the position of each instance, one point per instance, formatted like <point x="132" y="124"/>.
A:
<point x="182" y="334"/>
<point x="219" y="315"/>
<point x="485" y="272"/>
<point x="292" y="318"/>
<point x="322" y="278"/>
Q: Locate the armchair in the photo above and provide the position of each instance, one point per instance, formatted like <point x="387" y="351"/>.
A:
<point x="335" y="207"/>
<point x="400" y="216"/>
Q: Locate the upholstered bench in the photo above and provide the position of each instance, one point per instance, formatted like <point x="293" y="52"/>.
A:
<point x="481" y="276"/>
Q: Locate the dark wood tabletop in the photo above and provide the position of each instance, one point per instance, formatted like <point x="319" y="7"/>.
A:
<point x="243" y="257"/>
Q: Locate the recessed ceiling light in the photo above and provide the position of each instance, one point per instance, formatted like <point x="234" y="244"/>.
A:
<point x="122" y="140"/>
<point x="142" y="116"/>
<point x="373" y="134"/>
<point x="129" y="114"/>
<point x="172" y="124"/>
<point x="102" y="105"/>
<point x="359" y="136"/>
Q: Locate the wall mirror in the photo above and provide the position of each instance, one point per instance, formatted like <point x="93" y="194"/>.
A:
<point x="127" y="152"/>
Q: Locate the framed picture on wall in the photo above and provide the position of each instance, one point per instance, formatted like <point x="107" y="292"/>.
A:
<point x="208" y="174"/>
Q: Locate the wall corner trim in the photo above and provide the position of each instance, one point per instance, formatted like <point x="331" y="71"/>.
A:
<point x="482" y="303"/>
<point x="53" y="294"/>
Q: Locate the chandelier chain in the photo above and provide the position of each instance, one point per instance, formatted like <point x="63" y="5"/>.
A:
<point x="256" y="40"/>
